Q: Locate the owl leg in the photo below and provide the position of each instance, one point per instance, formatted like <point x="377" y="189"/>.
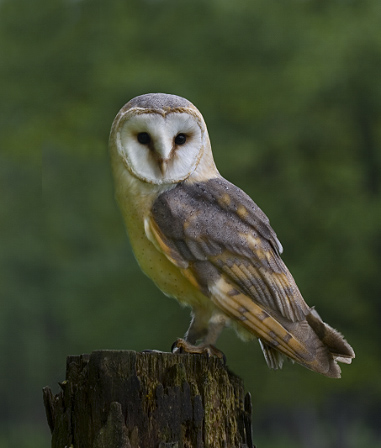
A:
<point x="209" y="335"/>
<point x="198" y="328"/>
<point x="216" y="324"/>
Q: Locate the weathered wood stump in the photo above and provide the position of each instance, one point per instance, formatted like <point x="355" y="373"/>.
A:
<point x="125" y="399"/>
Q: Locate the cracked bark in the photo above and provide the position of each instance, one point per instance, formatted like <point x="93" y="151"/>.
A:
<point x="125" y="399"/>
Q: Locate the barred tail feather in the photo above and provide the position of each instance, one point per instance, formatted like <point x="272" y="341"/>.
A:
<point x="335" y="341"/>
<point x="274" y="358"/>
<point x="325" y="345"/>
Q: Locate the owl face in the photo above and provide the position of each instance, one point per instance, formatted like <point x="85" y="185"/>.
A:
<point x="160" y="146"/>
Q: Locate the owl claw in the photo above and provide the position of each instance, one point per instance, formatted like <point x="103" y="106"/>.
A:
<point x="182" y="346"/>
<point x="175" y="348"/>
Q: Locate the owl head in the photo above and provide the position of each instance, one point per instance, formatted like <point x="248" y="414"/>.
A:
<point x="161" y="139"/>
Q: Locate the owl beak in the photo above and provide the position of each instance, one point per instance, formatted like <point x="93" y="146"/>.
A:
<point x="163" y="153"/>
<point x="162" y="165"/>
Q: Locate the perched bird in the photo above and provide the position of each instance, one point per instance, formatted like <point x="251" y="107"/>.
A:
<point x="203" y="241"/>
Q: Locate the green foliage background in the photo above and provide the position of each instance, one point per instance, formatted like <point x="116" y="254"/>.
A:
<point x="291" y="94"/>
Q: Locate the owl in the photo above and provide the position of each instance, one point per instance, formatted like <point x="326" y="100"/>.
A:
<point x="203" y="241"/>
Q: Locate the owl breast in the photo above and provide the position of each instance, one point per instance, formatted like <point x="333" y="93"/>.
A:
<point x="136" y="208"/>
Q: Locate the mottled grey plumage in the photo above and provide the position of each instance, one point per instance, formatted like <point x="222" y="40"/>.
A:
<point x="200" y="226"/>
<point x="158" y="101"/>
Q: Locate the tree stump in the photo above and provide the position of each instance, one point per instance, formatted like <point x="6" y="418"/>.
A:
<point x="125" y="399"/>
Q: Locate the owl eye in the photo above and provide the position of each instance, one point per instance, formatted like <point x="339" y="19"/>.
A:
<point x="144" y="138"/>
<point x="180" y="139"/>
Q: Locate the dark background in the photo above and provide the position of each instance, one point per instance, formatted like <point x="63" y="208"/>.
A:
<point x="291" y="94"/>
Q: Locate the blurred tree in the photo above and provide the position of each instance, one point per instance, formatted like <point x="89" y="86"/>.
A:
<point x="291" y="95"/>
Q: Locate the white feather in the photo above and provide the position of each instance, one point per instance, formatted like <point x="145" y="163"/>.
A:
<point x="179" y="161"/>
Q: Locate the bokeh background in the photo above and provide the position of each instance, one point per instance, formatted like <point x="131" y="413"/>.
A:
<point x="291" y="93"/>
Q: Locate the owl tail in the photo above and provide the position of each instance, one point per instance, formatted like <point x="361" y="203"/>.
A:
<point x="338" y="347"/>
<point x="324" y="345"/>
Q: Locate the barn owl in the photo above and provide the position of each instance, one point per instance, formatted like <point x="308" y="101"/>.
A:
<point x="203" y="241"/>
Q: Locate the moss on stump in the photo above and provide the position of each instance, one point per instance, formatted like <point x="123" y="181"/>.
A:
<point x="125" y="399"/>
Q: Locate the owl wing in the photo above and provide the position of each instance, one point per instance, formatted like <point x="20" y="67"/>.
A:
<point x="223" y="243"/>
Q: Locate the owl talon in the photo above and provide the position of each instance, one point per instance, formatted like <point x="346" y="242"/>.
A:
<point x="174" y="347"/>
<point x="178" y="346"/>
<point x="181" y="346"/>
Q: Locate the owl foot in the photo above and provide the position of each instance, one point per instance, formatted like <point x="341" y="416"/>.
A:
<point x="182" y="346"/>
